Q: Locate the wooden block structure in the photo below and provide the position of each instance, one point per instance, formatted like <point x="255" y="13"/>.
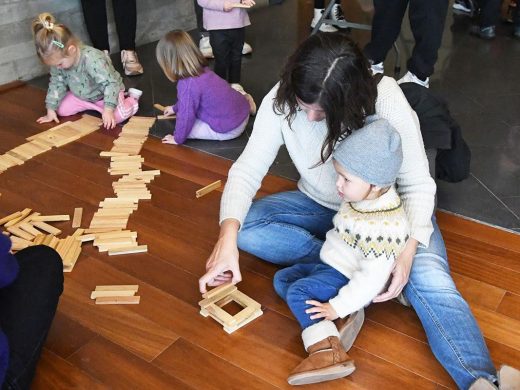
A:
<point x="210" y="187"/>
<point x="27" y="228"/>
<point x="217" y="298"/>
<point x="110" y="220"/>
<point x="116" y="295"/>
<point x="42" y="142"/>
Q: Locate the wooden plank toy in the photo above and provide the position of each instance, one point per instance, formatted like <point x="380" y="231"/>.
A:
<point x="78" y="214"/>
<point x="210" y="187"/>
<point x="217" y="298"/>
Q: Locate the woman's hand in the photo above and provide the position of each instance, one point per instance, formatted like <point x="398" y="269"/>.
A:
<point x="168" y="139"/>
<point x="51" y="116"/>
<point x="168" y="111"/>
<point x="321" y="310"/>
<point x="400" y="273"/>
<point x="109" y="119"/>
<point x="222" y="265"/>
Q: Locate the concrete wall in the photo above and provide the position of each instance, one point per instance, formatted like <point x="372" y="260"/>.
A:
<point x="18" y="60"/>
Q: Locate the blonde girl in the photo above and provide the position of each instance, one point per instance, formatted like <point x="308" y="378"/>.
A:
<point x="82" y="77"/>
<point x="207" y="107"/>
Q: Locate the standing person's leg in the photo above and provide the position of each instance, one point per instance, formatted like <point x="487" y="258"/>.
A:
<point x="386" y="26"/>
<point x="222" y="51"/>
<point x="95" y="14"/>
<point x="427" y="20"/>
<point x="27" y="308"/>
<point x="125" y="16"/>
<point x="285" y="228"/>
<point x="430" y="290"/>
<point x="516" y="21"/>
<point x="236" y="37"/>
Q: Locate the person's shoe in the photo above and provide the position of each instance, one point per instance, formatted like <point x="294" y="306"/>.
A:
<point x="462" y="7"/>
<point x="409" y="77"/>
<point x="349" y="328"/>
<point x="516" y="31"/>
<point x="135" y="93"/>
<point x="483" y="32"/>
<point x="508" y="378"/>
<point x="246" y="49"/>
<point x="205" y="47"/>
<point x="377" y="68"/>
<point x="318" y="12"/>
<point x="482" y="384"/>
<point x="337" y="13"/>
<point x="327" y="360"/>
<point x="131" y="63"/>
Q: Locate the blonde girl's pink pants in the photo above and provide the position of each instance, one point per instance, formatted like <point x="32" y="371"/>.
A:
<point x="71" y="104"/>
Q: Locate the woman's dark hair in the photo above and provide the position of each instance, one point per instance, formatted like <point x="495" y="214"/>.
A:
<point x="330" y="70"/>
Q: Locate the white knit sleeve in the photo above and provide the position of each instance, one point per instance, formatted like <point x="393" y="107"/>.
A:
<point x="415" y="185"/>
<point x="364" y="285"/>
<point x="247" y="173"/>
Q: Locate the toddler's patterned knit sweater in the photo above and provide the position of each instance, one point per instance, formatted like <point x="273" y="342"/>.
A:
<point x="366" y="239"/>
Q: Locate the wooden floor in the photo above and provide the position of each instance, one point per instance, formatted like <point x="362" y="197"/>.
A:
<point x="164" y="343"/>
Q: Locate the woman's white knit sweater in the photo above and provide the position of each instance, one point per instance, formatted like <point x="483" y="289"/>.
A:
<point x="303" y="141"/>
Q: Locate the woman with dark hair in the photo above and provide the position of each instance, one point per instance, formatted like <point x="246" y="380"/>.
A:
<point x="326" y="92"/>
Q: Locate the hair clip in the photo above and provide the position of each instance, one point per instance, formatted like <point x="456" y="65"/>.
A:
<point x="58" y="43"/>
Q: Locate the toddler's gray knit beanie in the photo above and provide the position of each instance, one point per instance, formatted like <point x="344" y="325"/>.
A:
<point x="372" y="153"/>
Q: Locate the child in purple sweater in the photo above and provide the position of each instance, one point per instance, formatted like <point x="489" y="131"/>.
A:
<point x="207" y="107"/>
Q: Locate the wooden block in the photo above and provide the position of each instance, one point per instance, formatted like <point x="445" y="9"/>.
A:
<point x="114" y="212"/>
<point x="112" y="293"/>
<point x="25" y="226"/>
<point x="244" y="300"/>
<point x="87" y="237"/>
<point x="54" y="242"/>
<point x="122" y="241"/>
<point x="72" y="249"/>
<point x="118" y="234"/>
<point x="222" y="293"/>
<point x="76" y="220"/>
<point x="51" y="218"/>
<point x="240" y="5"/>
<point x="112" y="154"/>
<point x="210" y="187"/>
<point x="20" y="233"/>
<point x="18" y="240"/>
<point x="125" y="251"/>
<point x="13" y="160"/>
<point x="38" y="240"/>
<point x="10" y="217"/>
<point x="102" y="230"/>
<point x="166" y="117"/>
<point x="48" y="239"/>
<point x="78" y="233"/>
<point x="73" y="258"/>
<point x="46" y="227"/>
<point x="133" y="300"/>
<point x="107" y="247"/>
<point x="118" y="287"/>
<point x="225" y="318"/>
<point x="159" y="107"/>
<point x="24" y="213"/>
<point x="117" y="201"/>
<point x="231" y="329"/>
<point x="17" y="156"/>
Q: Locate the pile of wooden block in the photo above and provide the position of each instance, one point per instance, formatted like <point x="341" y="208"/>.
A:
<point x="26" y="228"/>
<point x="116" y="295"/>
<point x="42" y="142"/>
<point x="113" y="213"/>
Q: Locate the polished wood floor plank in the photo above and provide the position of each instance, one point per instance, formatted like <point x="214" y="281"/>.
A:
<point x="479" y="293"/>
<point x="510" y="306"/>
<point x="194" y="366"/>
<point x="119" y="369"/>
<point x="54" y="372"/>
<point x="498" y="327"/>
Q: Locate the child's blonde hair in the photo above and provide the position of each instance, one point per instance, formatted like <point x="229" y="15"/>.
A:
<point x="179" y="57"/>
<point x="51" y="37"/>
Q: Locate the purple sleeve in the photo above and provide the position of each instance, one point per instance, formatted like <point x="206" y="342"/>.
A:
<point x="215" y="5"/>
<point x="188" y="100"/>
<point x="8" y="263"/>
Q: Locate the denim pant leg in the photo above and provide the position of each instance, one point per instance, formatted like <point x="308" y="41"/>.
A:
<point x="302" y="282"/>
<point x="453" y="333"/>
<point x="285" y="228"/>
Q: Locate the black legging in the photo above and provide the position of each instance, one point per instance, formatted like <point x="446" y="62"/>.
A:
<point x="27" y="308"/>
<point x="125" y="15"/>
<point x="320" y="4"/>
<point x="427" y="19"/>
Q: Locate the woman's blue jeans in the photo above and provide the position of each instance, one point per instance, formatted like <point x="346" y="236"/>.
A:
<point x="288" y="228"/>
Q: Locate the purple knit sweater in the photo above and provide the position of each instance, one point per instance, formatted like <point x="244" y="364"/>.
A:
<point x="8" y="273"/>
<point x="209" y="99"/>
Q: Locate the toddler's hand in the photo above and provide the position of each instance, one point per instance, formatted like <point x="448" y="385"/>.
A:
<point x="51" y="116"/>
<point x="322" y="310"/>
<point x="168" y="111"/>
<point x="228" y="6"/>
<point x="249" y="3"/>
<point x="109" y="119"/>
<point x="168" y="139"/>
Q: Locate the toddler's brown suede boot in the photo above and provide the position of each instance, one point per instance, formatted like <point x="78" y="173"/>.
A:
<point x="327" y="360"/>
